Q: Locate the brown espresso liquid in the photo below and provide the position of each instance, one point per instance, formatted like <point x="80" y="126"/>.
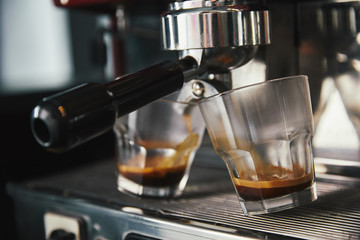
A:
<point x="153" y="176"/>
<point x="161" y="171"/>
<point x="267" y="187"/>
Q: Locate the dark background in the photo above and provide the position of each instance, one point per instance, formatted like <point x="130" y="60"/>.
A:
<point x="21" y="157"/>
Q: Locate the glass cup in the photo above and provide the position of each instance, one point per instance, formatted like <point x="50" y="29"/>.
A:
<point x="263" y="133"/>
<point x="156" y="146"/>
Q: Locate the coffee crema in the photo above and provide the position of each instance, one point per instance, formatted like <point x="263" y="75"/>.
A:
<point x="153" y="176"/>
<point x="161" y="171"/>
<point x="271" y="186"/>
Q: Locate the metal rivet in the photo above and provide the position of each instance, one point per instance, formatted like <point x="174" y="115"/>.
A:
<point x="198" y="89"/>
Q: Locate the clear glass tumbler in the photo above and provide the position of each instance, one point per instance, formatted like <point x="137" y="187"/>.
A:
<point x="263" y="133"/>
<point x="156" y="147"/>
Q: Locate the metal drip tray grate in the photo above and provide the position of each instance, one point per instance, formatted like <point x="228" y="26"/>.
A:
<point x="210" y="200"/>
<point x="335" y="215"/>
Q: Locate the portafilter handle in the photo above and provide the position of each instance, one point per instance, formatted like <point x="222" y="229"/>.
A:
<point x="70" y="118"/>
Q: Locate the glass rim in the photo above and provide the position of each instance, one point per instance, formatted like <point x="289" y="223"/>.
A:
<point x="174" y="102"/>
<point x="271" y="81"/>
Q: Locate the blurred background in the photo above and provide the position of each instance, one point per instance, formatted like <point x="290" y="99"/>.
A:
<point x="36" y="59"/>
<point x="45" y="49"/>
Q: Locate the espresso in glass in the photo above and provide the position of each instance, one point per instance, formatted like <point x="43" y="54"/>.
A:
<point x="263" y="133"/>
<point x="164" y="167"/>
<point x="272" y="181"/>
<point x="164" y="164"/>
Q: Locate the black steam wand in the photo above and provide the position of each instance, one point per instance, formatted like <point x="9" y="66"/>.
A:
<point x="70" y="118"/>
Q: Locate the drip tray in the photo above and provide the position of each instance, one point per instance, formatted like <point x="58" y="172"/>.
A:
<point x="210" y="203"/>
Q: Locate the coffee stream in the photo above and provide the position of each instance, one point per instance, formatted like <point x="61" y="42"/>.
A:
<point x="161" y="170"/>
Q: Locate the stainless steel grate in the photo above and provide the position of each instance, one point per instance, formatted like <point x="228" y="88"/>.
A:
<point x="210" y="198"/>
<point x="335" y="215"/>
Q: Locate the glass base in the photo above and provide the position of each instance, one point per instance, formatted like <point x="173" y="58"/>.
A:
<point x="280" y="203"/>
<point x="129" y="187"/>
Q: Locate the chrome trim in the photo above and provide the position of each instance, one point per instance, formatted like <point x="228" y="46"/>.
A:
<point x="202" y="26"/>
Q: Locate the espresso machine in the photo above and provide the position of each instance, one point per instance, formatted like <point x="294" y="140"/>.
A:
<point x="207" y="47"/>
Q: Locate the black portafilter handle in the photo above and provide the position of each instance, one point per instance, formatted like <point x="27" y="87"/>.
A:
<point x="70" y="118"/>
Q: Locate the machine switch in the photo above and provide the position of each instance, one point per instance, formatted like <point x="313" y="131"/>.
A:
<point x="63" y="227"/>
